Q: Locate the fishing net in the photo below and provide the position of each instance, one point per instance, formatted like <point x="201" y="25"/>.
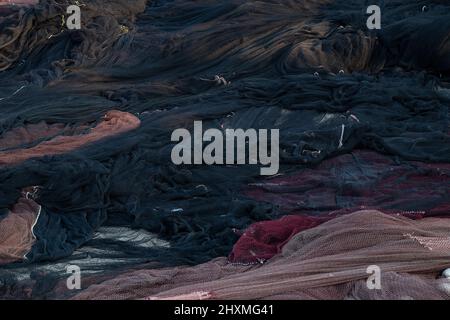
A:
<point x="328" y="261"/>
<point x="363" y="119"/>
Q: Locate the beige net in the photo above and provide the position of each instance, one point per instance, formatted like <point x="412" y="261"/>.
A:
<point x="16" y="230"/>
<point x="326" y="262"/>
<point x="114" y="122"/>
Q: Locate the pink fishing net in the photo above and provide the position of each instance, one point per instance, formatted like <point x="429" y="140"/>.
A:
<point x="16" y="234"/>
<point x="114" y="122"/>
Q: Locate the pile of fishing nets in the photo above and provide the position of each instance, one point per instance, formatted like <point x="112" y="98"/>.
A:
<point x="86" y="176"/>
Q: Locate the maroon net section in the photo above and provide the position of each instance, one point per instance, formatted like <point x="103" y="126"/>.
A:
<point x="262" y="240"/>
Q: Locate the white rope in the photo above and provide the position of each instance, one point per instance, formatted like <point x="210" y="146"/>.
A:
<point x="342" y="137"/>
<point x="15" y="92"/>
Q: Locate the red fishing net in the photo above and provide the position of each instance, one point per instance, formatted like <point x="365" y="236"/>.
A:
<point x="262" y="240"/>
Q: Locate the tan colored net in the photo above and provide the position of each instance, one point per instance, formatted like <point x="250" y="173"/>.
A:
<point x="327" y="262"/>
<point x="114" y="122"/>
<point x="399" y="287"/>
<point x="16" y="230"/>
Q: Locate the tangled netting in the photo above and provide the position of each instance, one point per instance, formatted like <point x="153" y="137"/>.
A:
<point x="86" y="176"/>
<point x="326" y="261"/>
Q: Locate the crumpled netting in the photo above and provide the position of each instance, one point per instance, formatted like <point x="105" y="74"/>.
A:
<point x="329" y="261"/>
<point x="26" y="32"/>
<point x="16" y="230"/>
<point x="262" y="240"/>
<point x="162" y="61"/>
<point x="30" y="134"/>
<point x="113" y="123"/>
<point x="18" y="2"/>
<point x="398" y="286"/>
<point x="360" y="180"/>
